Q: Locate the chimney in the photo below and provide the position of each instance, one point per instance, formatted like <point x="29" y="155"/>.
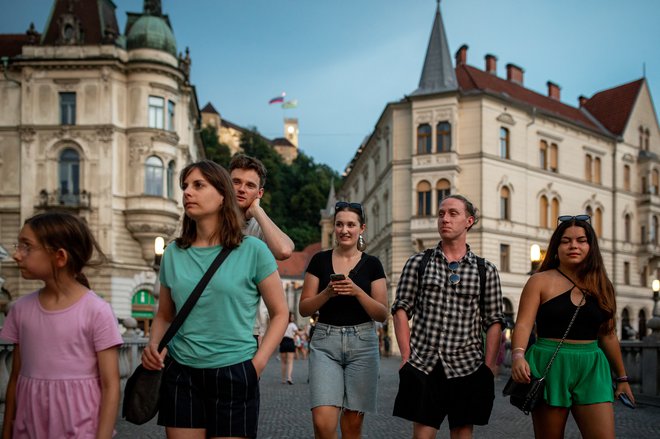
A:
<point x="553" y="90"/>
<point x="461" y="55"/>
<point x="491" y="64"/>
<point x="582" y="100"/>
<point x="514" y="73"/>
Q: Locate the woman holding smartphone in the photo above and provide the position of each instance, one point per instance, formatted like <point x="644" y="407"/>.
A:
<point x="347" y="287"/>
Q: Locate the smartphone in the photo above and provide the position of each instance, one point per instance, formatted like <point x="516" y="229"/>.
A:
<point x="624" y="399"/>
<point x="337" y="276"/>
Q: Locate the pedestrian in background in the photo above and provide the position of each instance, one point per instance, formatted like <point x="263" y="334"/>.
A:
<point x="65" y="372"/>
<point x="347" y="287"/>
<point x="571" y="275"/>
<point x="288" y="349"/>
<point x="214" y="350"/>
<point x="445" y="371"/>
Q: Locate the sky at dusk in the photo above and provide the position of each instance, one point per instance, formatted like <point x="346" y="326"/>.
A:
<point x="344" y="60"/>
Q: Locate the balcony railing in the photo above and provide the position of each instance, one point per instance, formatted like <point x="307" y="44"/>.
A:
<point x="56" y="199"/>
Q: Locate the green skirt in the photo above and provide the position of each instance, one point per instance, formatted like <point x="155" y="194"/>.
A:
<point x="579" y="375"/>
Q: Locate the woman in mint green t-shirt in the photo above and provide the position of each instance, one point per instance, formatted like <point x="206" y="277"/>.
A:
<point x="211" y="367"/>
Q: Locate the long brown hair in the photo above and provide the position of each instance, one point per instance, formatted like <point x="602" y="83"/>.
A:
<point x="591" y="273"/>
<point x="230" y="225"/>
<point x="62" y="230"/>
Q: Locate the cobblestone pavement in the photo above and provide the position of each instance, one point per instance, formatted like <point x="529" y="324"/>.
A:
<point x="285" y="413"/>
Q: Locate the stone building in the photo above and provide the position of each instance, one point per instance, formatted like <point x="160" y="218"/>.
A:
<point x="523" y="158"/>
<point x="98" y="123"/>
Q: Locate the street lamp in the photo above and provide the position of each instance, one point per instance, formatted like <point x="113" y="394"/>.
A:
<point x="654" y="322"/>
<point x="534" y="257"/>
<point x="159" y="248"/>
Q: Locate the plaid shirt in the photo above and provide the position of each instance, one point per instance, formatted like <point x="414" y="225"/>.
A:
<point x="448" y="323"/>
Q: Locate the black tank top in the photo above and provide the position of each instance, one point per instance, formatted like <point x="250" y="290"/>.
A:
<point x="553" y="317"/>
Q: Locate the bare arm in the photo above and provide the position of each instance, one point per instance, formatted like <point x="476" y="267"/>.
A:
<point x="151" y="359"/>
<point x="278" y="242"/>
<point x="310" y="299"/>
<point x="108" y="360"/>
<point x="402" y="333"/>
<point x="530" y="299"/>
<point x="493" y="337"/>
<point x="273" y="294"/>
<point x="612" y="349"/>
<point x="375" y="305"/>
<point x="10" y="397"/>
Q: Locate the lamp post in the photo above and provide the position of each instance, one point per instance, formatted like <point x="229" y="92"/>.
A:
<point x="534" y="257"/>
<point x="654" y="321"/>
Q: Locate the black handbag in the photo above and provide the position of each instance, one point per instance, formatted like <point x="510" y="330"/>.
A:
<point x="142" y="390"/>
<point x="526" y="396"/>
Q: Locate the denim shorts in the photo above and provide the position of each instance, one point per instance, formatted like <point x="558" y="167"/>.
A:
<point x="343" y="367"/>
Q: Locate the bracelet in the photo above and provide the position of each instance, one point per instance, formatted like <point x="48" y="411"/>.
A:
<point x="518" y="349"/>
<point x="517" y="355"/>
<point x="621" y="379"/>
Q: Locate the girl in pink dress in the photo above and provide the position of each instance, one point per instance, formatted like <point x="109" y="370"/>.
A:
<point x="64" y="381"/>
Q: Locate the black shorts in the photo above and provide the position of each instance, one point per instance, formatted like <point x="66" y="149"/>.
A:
<point x="224" y="401"/>
<point x="287" y="345"/>
<point x="427" y="399"/>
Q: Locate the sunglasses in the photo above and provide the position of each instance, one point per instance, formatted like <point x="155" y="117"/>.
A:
<point x="564" y="218"/>
<point x="344" y="204"/>
<point x="454" y="278"/>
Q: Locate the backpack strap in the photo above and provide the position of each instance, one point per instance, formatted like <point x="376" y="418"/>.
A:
<point x="422" y="266"/>
<point x="481" y="266"/>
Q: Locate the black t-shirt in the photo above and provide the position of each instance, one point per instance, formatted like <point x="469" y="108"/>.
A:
<point x="345" y="310"/>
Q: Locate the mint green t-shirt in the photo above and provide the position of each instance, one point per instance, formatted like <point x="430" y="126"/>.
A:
<point x="218" y="330"/>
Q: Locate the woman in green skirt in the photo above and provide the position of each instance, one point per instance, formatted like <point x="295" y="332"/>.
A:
<point x="579" y="381"/>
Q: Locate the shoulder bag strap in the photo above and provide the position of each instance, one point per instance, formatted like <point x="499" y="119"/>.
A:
<point x="584" y="298"/>
<point x="192" y="299"/>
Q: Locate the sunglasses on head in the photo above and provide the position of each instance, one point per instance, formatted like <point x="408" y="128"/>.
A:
<point x="563" y="218"/>
<point x="344" y="204"/>
<point x="454" y="278"/>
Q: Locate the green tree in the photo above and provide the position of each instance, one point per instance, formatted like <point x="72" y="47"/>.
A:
<point x="215" y="151"/>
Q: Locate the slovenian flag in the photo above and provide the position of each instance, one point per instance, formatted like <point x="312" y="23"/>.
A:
<point x="278" y="100"/>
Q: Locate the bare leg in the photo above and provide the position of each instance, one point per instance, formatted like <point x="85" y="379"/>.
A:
<point x="325" y="420"/>
<point x="350" y="423"/>
<point x="595" y="421"/>
<point x="421" y="431"/>
<point x="462" y="432"/>
<point x="549" y="422"/>
<point x="289" y="367"/>
<point x="283" y="366"/>
<point x="185" y="433"/>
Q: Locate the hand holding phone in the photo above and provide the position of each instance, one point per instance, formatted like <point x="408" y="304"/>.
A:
<point x="623" y="397"/>
<point x="334" y="277"/>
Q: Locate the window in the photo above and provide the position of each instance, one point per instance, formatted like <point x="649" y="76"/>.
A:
<point x="543" y="212"/>
<point x="647" y="139"/>
<point x="443" y="189"/>
<point x="626" y="273"/>
<point x="156" y="109"/>
<point x="598" y="221"/>
<point x="171" y="179"/>
<point x="641" y="321"/>
<point x="655" y="180"/>
<point x="643" y="276"/>
<point x="424" y="139"/>
<point x="153" y="176"/>
<point x="645" y="187"/>
<point x="69" y="177"/>
<point x="170" y="115"/>
<point x="543" y="155"/>
<point x="654" y="231"/>
<point x="67" y="108"/>
<point x="504" y="143"/>
<point x="424" y="198"/>
<point x="554" y="157"/>
<point x="626" y="177"/>
<point x="596" y="172"/>
<point x="504" y="203"/>
<point x="444" y="136"/>
<point x="642" y="232"/>
<point x="628" y="227"/>
<point x="587" y="168"/>
<point x="641" y="137"/>
<point x="554" y="213"/>
<point x="505" y="251"/>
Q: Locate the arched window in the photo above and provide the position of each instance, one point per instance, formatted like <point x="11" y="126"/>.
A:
<point x="641" y="321"/>
<point x="554" y="157"/>
<point x="444" y="136"/>
<point x="171" y="179"/>
<point x="443" y="188"/>
<point x="69" y="177"/>
<point x="654" y="231"/>
<point x="424" y="144"/>
<point x="626" y="177"/>
<point x="647" y="139"/>
<point x="543" y="212"/>
<point x="505" y="207"/>
<point x="424" y="198"/>
<point x="596" y="173"/>
<point x="554" y="213"/>
<point x="587" y="168"/>
<point x="655" y="181"/>
<point x="153" y="176"/>
<point x="628" y="227"/>
<point x="598" y="222"/>
<point x="543" y="155"/>
<point x="504" y="143"/>
<point x="625" y="324"/>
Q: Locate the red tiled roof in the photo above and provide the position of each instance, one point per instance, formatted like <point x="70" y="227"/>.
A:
<point x="11" y="45"/>
<point x="472" y="79"/>
<point x="296" y="265"/>
<point x="612" y="107"/>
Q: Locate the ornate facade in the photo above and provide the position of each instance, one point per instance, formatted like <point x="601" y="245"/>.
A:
<point x="523" y="158"/>
<point x="98" y="123"/>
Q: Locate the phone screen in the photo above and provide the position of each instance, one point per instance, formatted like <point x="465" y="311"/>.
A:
<point x="336" y="277"/>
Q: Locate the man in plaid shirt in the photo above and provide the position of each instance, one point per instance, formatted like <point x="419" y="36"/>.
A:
<point x="445" y="371"/>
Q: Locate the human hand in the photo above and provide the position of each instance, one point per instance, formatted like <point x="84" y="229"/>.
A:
<point x="346" y="287"/>
<point x="151" y="359"/>
<point x="623" y="388"/>
<point x="253" y="208"/>
<point x="520" y="370"/>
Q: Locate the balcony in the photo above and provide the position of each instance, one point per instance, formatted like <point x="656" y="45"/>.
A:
<point x="150" y="216"/>
<point x="67" y="201"/>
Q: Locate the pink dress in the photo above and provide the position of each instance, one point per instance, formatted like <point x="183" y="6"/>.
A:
<point x="58" y="393"/>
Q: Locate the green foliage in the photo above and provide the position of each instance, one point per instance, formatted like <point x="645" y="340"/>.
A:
<point x="294" y="194"/>
<point x="215" y="151"/>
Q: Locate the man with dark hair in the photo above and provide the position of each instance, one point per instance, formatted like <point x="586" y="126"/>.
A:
<point x="454" y="297"/>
